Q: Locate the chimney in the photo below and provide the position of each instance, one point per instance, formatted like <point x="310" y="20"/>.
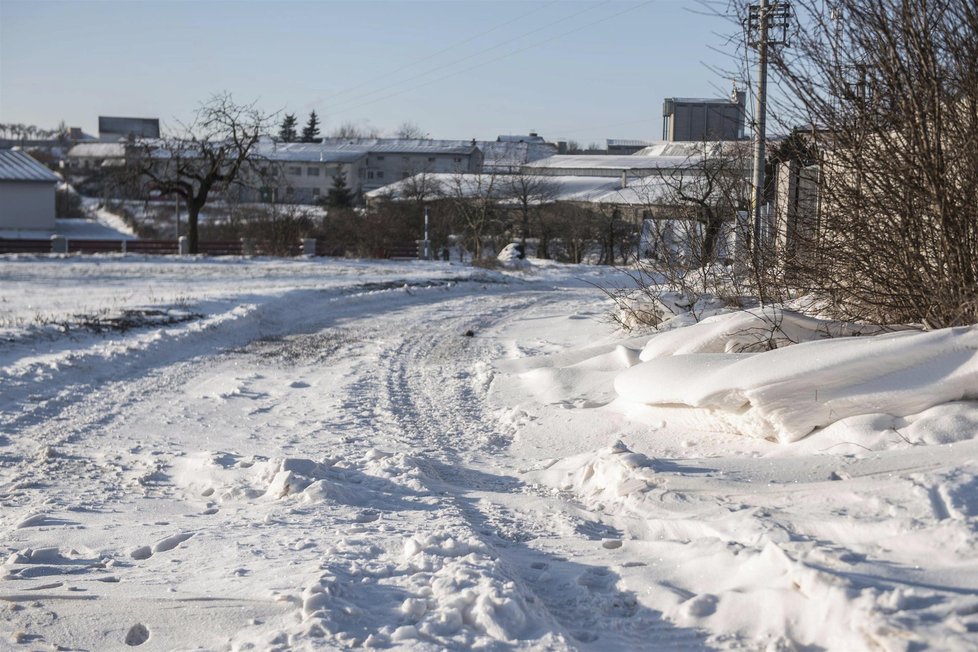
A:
<point x="624" y="179"/>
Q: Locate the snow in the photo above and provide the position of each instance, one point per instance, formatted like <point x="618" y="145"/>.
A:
<point x="317" y="454"/>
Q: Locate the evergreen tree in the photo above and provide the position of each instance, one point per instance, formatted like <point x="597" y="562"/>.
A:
<point x="310" y="133"/>
<point x="339" y="195"/>
<point x="287" y="132"/>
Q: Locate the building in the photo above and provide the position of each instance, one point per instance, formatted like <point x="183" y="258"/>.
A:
<point x="508" y="154"/>
<point x="305" y="171"/>
<point x="697" y="119"/>
<point x="113" y="129"/>
<point x="88" y="158"/>
<point x="26" y="192"/>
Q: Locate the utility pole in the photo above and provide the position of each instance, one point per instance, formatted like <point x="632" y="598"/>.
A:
<point x="426" y="248"/>
<point x="767" y="25"/>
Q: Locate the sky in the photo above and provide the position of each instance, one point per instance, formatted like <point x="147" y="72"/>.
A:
<point x="583" y="71"/>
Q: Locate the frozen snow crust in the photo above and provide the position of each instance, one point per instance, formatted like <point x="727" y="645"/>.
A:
<point x="256" y="454"/>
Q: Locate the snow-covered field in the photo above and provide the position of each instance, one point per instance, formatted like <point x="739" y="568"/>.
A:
<point x="289" y="454"/>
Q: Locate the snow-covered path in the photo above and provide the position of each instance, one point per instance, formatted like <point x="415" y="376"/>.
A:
<point x="320" y="456"/>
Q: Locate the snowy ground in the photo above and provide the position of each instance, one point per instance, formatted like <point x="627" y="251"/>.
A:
<point x="276" y="454"/>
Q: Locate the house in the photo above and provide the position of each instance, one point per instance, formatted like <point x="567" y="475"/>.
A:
<point x="26" y="192"/>
<point x="89" y="158"/>
<point x="305" y="172"/>
<point x="392" y="159"/>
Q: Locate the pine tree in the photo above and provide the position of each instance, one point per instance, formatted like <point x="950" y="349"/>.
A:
<point x="310" y="133"/>
<point x="287" y="132"/>
<point x="339" y="195"/>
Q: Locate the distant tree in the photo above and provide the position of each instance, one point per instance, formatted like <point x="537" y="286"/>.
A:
<point x="410" y="130"/>
<point x="287" y="131"/>
<point x="475" y="199"/>
<point x="351" y="130"/>
<point x="218" y="149"/>
<point x="340" y="195"/>
<point x="310" y="133"/>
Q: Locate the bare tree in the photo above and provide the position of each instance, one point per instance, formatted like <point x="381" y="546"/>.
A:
<point x="352" y="130"/>
<point x="475" y="200"/>
<point x="530" y="192"/>
<point x="890" y="89"/>
<point x="410" y="130"/>
<point x="217" y="150"/>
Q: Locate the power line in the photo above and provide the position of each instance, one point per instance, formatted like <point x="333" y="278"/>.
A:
<point x="504" y="56"/>
<point x="444" y="50"/>
<point x="364" y="96"/>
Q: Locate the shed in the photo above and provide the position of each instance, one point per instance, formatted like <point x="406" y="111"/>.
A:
<point x="26" y="192"/>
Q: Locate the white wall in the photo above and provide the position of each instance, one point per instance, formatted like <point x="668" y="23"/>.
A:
<point x="26" y="205"/>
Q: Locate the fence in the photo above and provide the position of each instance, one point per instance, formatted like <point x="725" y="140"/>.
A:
<point x="243" y="247"/>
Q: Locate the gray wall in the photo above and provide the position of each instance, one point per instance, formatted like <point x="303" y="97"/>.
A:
<point x="26" y="205"/>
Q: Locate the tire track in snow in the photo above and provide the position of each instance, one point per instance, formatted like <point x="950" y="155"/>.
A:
<point x="436" y="386"/>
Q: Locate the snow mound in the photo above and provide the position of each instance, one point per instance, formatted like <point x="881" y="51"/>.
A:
<point x="604" y="479"/>
<point x="513" y="255"/>
<point x="784" y="394"/>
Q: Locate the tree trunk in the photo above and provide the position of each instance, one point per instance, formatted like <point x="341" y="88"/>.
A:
<point x="193" y="211"/>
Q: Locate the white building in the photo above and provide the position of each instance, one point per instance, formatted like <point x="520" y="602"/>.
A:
<point x="26" y="192"/>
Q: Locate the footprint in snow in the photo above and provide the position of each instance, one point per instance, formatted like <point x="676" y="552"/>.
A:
<point x="138" y="634"/>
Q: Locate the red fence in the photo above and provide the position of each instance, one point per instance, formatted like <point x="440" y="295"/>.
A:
<point x="171" y="247"/>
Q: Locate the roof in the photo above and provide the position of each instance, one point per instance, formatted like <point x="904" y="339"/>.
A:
<point x="701" y="100"/>
<point x="608" y="162"/>
<point x="402" y="145"/>
<point x="639" y="191"/>
<point x="98" y="150"/>
<point x="510" y="154"/>
<point x="693" y="148"/>
<point x="311" y="152"/>
<point x="18" y="166"/>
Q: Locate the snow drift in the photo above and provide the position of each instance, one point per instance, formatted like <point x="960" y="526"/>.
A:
<point x="785" y="393"/>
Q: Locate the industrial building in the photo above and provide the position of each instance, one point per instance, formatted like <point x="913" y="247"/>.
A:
<point x="699" y="119"/>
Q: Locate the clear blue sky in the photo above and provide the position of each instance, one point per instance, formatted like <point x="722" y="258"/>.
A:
<point x="458" y="69"/>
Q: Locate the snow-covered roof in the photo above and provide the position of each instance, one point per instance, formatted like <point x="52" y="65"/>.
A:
<point x="609" y="162"/>
<point x="98" y="150"/>
<point x="689" y="149"/>
<point x="508" y="154"/>
<point x="311" y="152"/>
<point x="402" y="145"/>
<point x="639" y="191"/>
<point x="18" y="166"/>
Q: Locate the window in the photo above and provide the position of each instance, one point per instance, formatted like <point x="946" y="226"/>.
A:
<point x="380" y="174"/>
<point x="312" y="172"/>
<point x="431" y="159"/>
<point x="370" y="174"/>
<point x="295" y="171"/>
<point x="458" y="159"/>
<point x="315" y="192"/>
<point x="380" y="158"/>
